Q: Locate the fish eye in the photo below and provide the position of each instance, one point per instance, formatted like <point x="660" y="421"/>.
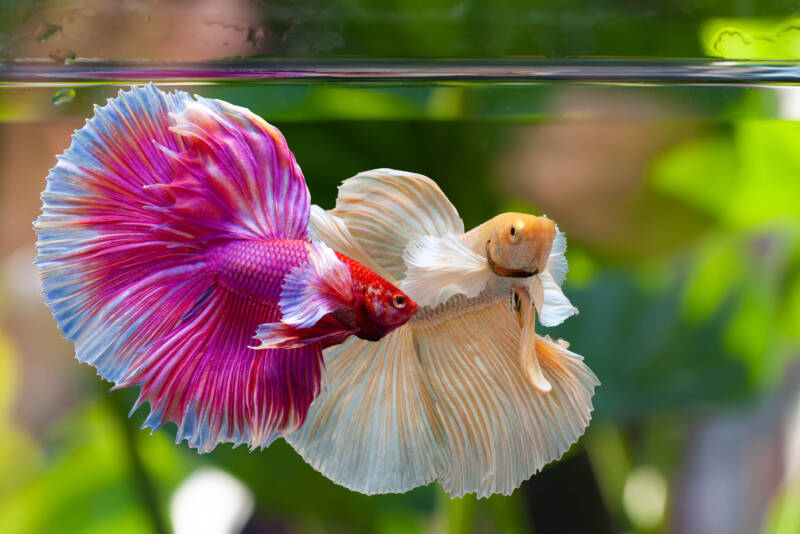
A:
<point x="399" y="302"/>
<point x="513" y="233"/>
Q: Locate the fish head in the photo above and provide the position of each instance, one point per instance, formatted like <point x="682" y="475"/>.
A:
<point x="380" y="306"/>
<point x="517" y="244"/>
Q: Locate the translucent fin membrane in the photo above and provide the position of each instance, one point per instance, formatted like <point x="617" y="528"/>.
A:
<point x="376" y="430"/>
<point x="443" y="398"/>
<point x="439" y="267"/>
<point x="384" y="209"/>
<point x="500" y="430"/>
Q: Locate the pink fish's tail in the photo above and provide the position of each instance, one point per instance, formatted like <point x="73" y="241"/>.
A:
<point x="147" y="186"/>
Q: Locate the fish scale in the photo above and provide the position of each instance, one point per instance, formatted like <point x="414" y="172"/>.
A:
<point x="256" y="269"/>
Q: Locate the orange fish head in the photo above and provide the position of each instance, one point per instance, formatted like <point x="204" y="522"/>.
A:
<point x="517" y="244"/>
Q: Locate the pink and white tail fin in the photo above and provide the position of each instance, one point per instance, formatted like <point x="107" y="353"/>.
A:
<point x="129" y="212"/>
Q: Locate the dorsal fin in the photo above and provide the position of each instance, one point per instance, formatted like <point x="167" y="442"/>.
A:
<point x="385" y="209"/>
<point x="235" y="179"/>
<point x="323" y="226"/>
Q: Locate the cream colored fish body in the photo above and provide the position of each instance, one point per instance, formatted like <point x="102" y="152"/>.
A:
<point x="466" y="392"/>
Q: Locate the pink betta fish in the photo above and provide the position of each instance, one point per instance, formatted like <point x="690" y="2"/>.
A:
<point x="175" y="230"/>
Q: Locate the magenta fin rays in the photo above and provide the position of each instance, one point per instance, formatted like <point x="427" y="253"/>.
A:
<point x="237" y="178"/>
<point x="132" y="217"/>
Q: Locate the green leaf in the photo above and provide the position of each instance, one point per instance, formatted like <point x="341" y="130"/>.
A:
<point x="751" y="38"/>
<point x="20" y="456"/>
<point x="783" y="516"/>
<point x="701" y="173"/>
<point x="749" y="332"/>
<point x="768" y="189"/>
<point x="84" y="487"/>
<point x="718" y="269"/>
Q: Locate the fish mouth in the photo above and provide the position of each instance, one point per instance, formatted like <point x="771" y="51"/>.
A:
<point x="499" y="270"/>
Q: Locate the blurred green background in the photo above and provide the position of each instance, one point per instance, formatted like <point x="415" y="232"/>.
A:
<point x="681" y="205"/>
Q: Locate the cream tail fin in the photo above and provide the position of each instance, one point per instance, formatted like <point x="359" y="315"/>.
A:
<point x="499" y="429"/>
<point x="376" y="428"/>
<point x="444" y="399"/>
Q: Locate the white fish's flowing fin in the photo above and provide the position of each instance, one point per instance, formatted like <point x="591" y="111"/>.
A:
<point x="385" y="209"/>
<point x="555" y="307"/>
<point x="324" y="226"/>
<point x="500" y="430"/>
<point x="439" y="267"/>
<point x="528" y="359"/>
<point x="375" y="428"/>
<point x="573" y="386"/>
<point x="557" y="262"/>
<point x="316" y="288"/>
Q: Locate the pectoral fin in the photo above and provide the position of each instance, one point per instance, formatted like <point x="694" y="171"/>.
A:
<point x="553" y="306"/>
<point x="325" y="333"/>
<point x="557" y="262"/>
<point x="316" y="288"/>
<point x="439" y="267"/>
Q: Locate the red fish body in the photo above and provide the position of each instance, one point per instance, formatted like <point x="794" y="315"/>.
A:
<point x="173" y="232"/>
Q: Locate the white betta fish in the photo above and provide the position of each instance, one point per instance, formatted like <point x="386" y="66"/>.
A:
<point x="466" y="392"/>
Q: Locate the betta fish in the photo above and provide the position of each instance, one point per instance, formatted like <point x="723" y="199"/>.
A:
<point x="175" y="230"/>
<point x="466" y="393"/>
